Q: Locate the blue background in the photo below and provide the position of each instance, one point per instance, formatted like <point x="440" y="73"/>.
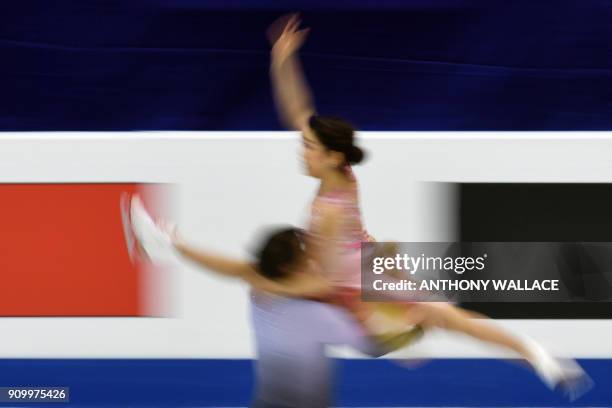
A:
<point x="361" y="383"/>
<point x="385" y="65"/>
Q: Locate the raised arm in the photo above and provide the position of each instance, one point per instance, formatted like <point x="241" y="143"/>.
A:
<point x="292" y="95"/>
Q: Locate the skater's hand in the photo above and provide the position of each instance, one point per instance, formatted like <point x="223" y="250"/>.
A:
<point x="290" y="39"/>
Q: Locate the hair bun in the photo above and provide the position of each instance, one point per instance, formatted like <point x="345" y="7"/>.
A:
<point x="355" y="155"/>
<point x="337" y="135"/>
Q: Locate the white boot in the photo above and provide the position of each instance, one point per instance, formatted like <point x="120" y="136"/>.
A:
<point x="155" y="242"/>
<point x="563" y="375"/>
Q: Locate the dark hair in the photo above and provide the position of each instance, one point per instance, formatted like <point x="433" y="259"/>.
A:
<point x="280" y="249"/>
<point x="338" y="135"/>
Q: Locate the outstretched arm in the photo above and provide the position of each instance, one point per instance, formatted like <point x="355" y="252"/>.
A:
<point x="301" y="285"/>
<point x="217" y="263"/>
<point x="292" y="95"/>
<point x="297" y="285"/>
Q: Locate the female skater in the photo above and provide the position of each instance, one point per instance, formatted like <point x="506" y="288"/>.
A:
<point x="336" y="232"/>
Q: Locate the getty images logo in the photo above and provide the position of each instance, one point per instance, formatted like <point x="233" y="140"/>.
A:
<point x="412" y="264"/>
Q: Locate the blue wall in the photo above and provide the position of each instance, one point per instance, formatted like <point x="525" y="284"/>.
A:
<point x="364" y="383"/>
<point x="390" y="65"/>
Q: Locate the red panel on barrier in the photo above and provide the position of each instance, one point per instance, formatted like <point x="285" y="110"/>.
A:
<point x="64" y="253"/>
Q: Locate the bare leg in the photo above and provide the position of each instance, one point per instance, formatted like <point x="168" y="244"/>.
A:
<point x="568" y="375"/>
<point x="449" y="317"/>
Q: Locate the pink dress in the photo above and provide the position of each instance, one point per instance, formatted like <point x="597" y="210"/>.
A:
<point x="342" y="266"/>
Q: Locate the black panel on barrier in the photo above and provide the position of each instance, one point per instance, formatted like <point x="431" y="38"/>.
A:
<point x="572" y="214"/>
